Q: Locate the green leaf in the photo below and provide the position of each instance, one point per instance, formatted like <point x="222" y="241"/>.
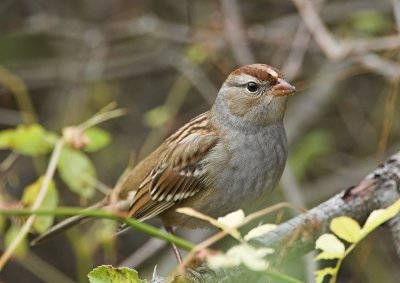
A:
<point x="98" y="138"/>
<point x="9" y="237"/>
<point x="331" y="245"/>
<point x="77" y="171"/>
<point x="50" y="201"/>
<point x="320" y="274"/>
<point x="2" y="224"/>
<point x="346" y="228"/>
<point x="6" y="138"/>
<point x="30" y="140"/>
<point x="197" y="53"/>
<point x="312" y="146"/>
<point x="109" y="274"/>
<point x="157" y="117"/>
<point x="370" y="22"/>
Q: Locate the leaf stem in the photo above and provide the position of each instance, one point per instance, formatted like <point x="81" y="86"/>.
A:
<point x="137" y="225"/>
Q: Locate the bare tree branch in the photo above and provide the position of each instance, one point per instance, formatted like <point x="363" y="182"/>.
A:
<point x="298" y="235"/>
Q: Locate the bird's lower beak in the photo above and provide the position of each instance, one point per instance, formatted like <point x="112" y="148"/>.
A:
<point x="283" y="88"/>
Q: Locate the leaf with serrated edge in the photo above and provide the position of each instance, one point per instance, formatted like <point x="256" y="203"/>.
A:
<point x="346" y="228"/>
<point x="331" y="244"/>
<point x="108" y="274"/>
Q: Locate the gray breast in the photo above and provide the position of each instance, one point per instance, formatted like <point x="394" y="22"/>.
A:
<point x="245" y="168"/>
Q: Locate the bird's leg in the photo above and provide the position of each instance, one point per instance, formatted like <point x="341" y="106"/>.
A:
<point x="177" y="253"/>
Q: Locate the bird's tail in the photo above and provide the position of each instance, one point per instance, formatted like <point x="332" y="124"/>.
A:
<point x="65" y="224"/>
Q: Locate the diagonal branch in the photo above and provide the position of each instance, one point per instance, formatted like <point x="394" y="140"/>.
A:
<point x="297" y="236"/>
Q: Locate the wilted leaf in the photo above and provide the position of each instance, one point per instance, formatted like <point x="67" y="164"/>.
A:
<point x="77" y="171"/>
<point x="50" y="201"/>
<point x="331" y="245"/>
<point x="9" y="237"/>
<point x="98" y="138"/>
<point x="30" y="140"/>
<point x="259" y="231"/>
<point x="109" y="274"/>
<point x="346" y="228"/>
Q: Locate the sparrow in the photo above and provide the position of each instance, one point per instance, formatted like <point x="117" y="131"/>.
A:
<point x="228" y="158"/>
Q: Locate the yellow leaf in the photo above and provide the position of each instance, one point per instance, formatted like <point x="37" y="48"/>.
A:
<point x="9" y="237"/>
<point x="320" y="274"/>
<point x="328" y="255"/>
<point x="329" y="243"/>
<point x="50" y="201"/>
<point x="346" y="228"/>
<point x="380" y="216"/>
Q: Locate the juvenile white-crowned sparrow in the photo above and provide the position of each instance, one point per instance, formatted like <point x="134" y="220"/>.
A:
<point x="227" y="158"/>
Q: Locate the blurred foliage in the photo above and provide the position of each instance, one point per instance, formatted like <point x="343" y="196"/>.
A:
<point x="10" y="235"/>
<point x="30" y="140"/>
<point x="106" y="274"/>
<point x="61" y="61"/>
<point x="309" y="149"/>
<point x="41" y="223"/>
<point x="78" y="172"/>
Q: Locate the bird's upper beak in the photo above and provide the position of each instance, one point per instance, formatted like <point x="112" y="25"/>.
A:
<point x="283" y="88"/>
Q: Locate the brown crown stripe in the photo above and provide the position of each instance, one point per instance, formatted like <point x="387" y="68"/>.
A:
<point x="259" y="71"/>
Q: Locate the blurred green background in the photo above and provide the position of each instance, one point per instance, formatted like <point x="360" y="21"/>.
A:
<point x="164" y="61"/>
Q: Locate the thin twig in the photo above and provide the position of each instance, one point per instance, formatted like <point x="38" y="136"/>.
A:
<point x="235" y="32"/>
<point x="38" y="202"/>
<point x="105" y="214"/>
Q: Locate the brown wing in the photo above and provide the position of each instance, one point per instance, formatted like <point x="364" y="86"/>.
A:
<point x="179" y="174"/>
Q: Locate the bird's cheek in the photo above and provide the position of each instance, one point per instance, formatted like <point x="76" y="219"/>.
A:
<point x="239" y="104"/>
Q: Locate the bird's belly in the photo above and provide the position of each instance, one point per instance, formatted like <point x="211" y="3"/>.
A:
<point x="240" y="177"/>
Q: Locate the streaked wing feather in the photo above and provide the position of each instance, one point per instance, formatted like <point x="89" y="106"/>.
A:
<point x="179" y="174"/>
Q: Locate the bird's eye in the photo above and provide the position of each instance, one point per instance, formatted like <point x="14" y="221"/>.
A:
<point x="252" y="86"/>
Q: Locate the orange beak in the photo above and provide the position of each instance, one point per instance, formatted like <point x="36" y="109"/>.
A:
<point x="283" y="88"/>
